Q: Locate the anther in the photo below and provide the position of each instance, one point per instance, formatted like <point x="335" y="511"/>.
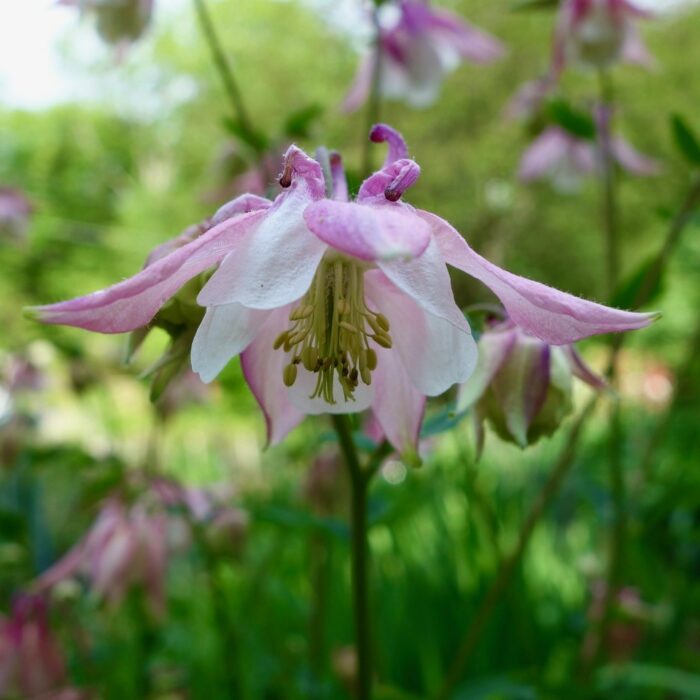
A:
<point x="371" y="359"/>
<point x="286" y="176"/>
<point x="289" y="375"/>
<point x="280" y="340"/>
<point x="382" y="339"/>
<point x="383" y="322"/>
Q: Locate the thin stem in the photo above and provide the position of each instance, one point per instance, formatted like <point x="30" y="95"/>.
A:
<point x="609" y="203"/>
<point x="359" y="482"/>
<point x="223" y="67"/>
<point x="374" y="102"/>
<point x="510" y="564"/>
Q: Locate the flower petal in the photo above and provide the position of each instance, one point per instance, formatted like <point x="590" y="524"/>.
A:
<point x="262" y="368"/>
<point x="240" y="205"/>
<point x="133" y="302"/>
<point x="467" y="40"/>
<point x="360" y="87"/>
<point x="581" y="370"/>
<point x="398" y="406"/>
<point x="544" y="154"/>
<point x="274" y="266"/>
<point x="632" y="160"/>
<point x="224" y="333"/>
<point x="390" y="182"/>
<point x="425" y="279"/>
<point x="379" y="232"/>
<point x="553" y="316"/>
<point x="434" y="353"/>
<point x="494" y="348"/>
<point x="300" y="396"/>
<point x="383" y="133"/>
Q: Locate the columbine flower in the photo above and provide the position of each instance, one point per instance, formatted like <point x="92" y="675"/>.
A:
<point x="597" y="33"/>
<point x="127" y="546"/>
<point x="333" y="305"/>
<point x="118" y="21"/>
<point x="418" y="46"/>
<point x="563" y="158"/>
<point x="522" y="385"/>
<point x="31" y="662"/>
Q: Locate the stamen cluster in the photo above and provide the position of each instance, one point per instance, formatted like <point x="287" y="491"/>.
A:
<point x="330" y="331"/>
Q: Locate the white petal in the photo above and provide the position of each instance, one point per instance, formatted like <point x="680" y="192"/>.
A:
<point x="224" y="333"/>
<point x="275" y="265"/>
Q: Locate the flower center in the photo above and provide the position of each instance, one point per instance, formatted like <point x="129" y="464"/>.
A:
<point x="330" y="330"/>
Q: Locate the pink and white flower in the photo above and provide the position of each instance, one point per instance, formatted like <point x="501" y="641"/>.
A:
<point x="564" y="159"/>
<point x="419" y="45"/>
<point x="127" y="546"/>
<point x="31" y="662"/>
<point x="337" y="306"/>
<point x="597" y="33"/>
<point x="522" y="385"/>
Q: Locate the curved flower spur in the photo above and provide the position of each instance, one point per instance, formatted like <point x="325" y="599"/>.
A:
<point x="336" y="305"/>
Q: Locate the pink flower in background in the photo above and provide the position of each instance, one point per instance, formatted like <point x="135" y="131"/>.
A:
<point x="419" y="45"/>
<point x="597" y="33"/>
<point x="564" y="159"/>
<point x="119" y="22"/>
<point x="127" y="546"/>
<point x="337" y="305"/>
<point x="522" y="386"/>
<point x="15" y="210"/>
<point x="31" y="662"/>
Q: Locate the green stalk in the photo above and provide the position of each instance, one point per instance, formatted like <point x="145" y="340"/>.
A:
<point x="374" y="102"/>
<point x="359" y="483"/>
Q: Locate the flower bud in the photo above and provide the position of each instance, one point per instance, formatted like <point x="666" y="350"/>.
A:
<point x="522" y="386"/>
<point x="122" y="20"/>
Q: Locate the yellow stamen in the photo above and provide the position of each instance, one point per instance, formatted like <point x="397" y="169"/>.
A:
<point x="336" y="349"/>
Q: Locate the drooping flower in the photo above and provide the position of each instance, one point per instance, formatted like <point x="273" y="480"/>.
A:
<point x="564" y="159"/>
<point x="119" y="22"/>
<point x="126" y="547"/>
<point x="597" y="33"/>
<point x="336" y="305"/>
<point x="31" y="662"/>
<point x="522" y="385"/>
<point x="419" y="45"/>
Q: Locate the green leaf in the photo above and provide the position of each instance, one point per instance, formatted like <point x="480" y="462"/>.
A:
<point x="685" y="139"/>
<point x="521" y="5"/>
<point x="496" y="689"/>
<point x="572" y="120"/>
<point x="299" y="123"/>
<point x="672" y="681"/>
<point x="644" y="285"/>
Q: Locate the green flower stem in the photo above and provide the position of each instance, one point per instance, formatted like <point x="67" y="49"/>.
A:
<point x="374" y="102"/>
<point x="359" y="484"/>
<point x="223" y="67"/>
<point x="609" y="185"/>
